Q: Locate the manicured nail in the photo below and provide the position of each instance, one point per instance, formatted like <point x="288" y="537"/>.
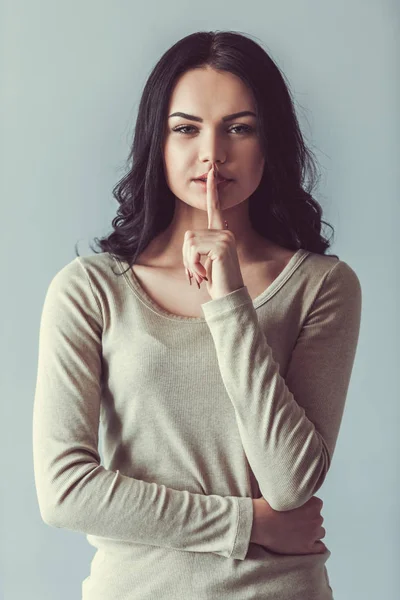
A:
<point x="206" y="278"/>
<point x="198" y="285"/>
<point x="190" y="277"/>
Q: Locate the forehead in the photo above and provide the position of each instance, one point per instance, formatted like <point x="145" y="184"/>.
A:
<point x="205" y="89"/>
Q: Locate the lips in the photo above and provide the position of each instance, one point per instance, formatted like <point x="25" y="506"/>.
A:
<point x="222" y="184"/>
<point x="219" y="178"/>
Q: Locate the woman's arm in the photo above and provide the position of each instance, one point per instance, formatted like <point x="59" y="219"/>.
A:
<point x="74" y="490"/>
<point x="289" y="426"/>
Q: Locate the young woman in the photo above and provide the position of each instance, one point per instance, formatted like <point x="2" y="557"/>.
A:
<point x="221" y="402"/>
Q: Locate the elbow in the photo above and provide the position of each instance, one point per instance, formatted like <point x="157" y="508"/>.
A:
<point x="281" y="504"/>
<point x="298" y="494"/>
<point x="52" y="518"/>
<point x="290" y="501"/>
<point x="46" y="514"/>
<point x="58" y="498"/>
<point x="46" y="503"/>
<point x="49" y="507"/>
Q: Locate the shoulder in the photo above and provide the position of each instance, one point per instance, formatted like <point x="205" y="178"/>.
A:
<point x="92" y="268"/>
<point x="85" y="279"/>
<point x="323" y="283"/>
<point x="333" y="272"/>
<point x="327" y="269"/>
<point x="333" y="290"/>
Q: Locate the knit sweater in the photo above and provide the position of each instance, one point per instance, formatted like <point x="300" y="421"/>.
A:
<point x="198" y="416"/>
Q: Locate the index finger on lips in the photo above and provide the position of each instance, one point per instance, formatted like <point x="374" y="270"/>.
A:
<point x="215" y="218"/>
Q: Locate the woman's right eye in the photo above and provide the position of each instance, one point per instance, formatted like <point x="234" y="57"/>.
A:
<point x="179" y="129"/>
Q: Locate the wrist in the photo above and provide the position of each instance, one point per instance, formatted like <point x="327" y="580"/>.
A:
<point x="253" y="535"/>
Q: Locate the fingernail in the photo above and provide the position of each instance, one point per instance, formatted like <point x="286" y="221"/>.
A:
<point x="190" y="277"/>
<point x="198" y="285"/>
<point x="206" y="278"/>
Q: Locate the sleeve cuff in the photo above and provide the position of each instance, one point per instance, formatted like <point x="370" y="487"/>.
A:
<point x="213" y="308"/>
<point x="245" y="525"/>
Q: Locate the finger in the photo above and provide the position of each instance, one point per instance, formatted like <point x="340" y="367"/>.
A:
<point x="215" y="217"/>
<point x="188" y="275"/>
<point x="190" y="256"/>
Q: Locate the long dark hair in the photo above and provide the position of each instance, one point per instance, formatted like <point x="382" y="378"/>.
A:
<point x="281" y="209"/>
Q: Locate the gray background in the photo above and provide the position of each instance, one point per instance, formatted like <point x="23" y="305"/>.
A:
<point x="71" y="78"/>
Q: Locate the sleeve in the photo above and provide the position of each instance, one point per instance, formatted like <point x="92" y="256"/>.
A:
<point x="289" y="427"/>
<point x="74" y="490"/>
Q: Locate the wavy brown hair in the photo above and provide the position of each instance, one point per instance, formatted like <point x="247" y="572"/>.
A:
<point x="282" y="207"/>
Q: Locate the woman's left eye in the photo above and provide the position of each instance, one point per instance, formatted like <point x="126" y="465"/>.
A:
<point x="245" y="128"/>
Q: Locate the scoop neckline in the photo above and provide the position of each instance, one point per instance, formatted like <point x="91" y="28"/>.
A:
<point x="133" y="283"/>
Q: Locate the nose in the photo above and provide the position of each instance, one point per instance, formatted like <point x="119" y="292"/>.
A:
<point x="212" y="150"/>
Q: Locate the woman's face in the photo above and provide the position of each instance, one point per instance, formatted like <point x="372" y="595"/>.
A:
<point x="234" y="145"/>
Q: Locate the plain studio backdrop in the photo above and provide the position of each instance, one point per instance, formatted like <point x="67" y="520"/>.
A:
<point x="71" y="78"/>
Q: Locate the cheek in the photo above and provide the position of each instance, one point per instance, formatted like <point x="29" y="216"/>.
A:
<point x="258" y="164"/>
<point x="177" y="159"/>
<point x="173" y="167"/>
<point x="260" y="170"/>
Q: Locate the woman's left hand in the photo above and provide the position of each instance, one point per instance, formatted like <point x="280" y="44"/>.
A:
<point x="221" y="267"/>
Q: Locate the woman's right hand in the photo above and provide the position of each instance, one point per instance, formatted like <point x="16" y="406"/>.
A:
<point x="296" y="531"/>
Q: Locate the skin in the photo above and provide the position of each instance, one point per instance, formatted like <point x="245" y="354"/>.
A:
<point x="221" y="269"/>
<point x="211" y="95"/>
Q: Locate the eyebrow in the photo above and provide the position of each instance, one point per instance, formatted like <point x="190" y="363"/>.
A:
<point x="243" y="113"/>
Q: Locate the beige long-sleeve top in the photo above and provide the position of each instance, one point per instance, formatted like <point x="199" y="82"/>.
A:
<point x="199" y="416"/>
